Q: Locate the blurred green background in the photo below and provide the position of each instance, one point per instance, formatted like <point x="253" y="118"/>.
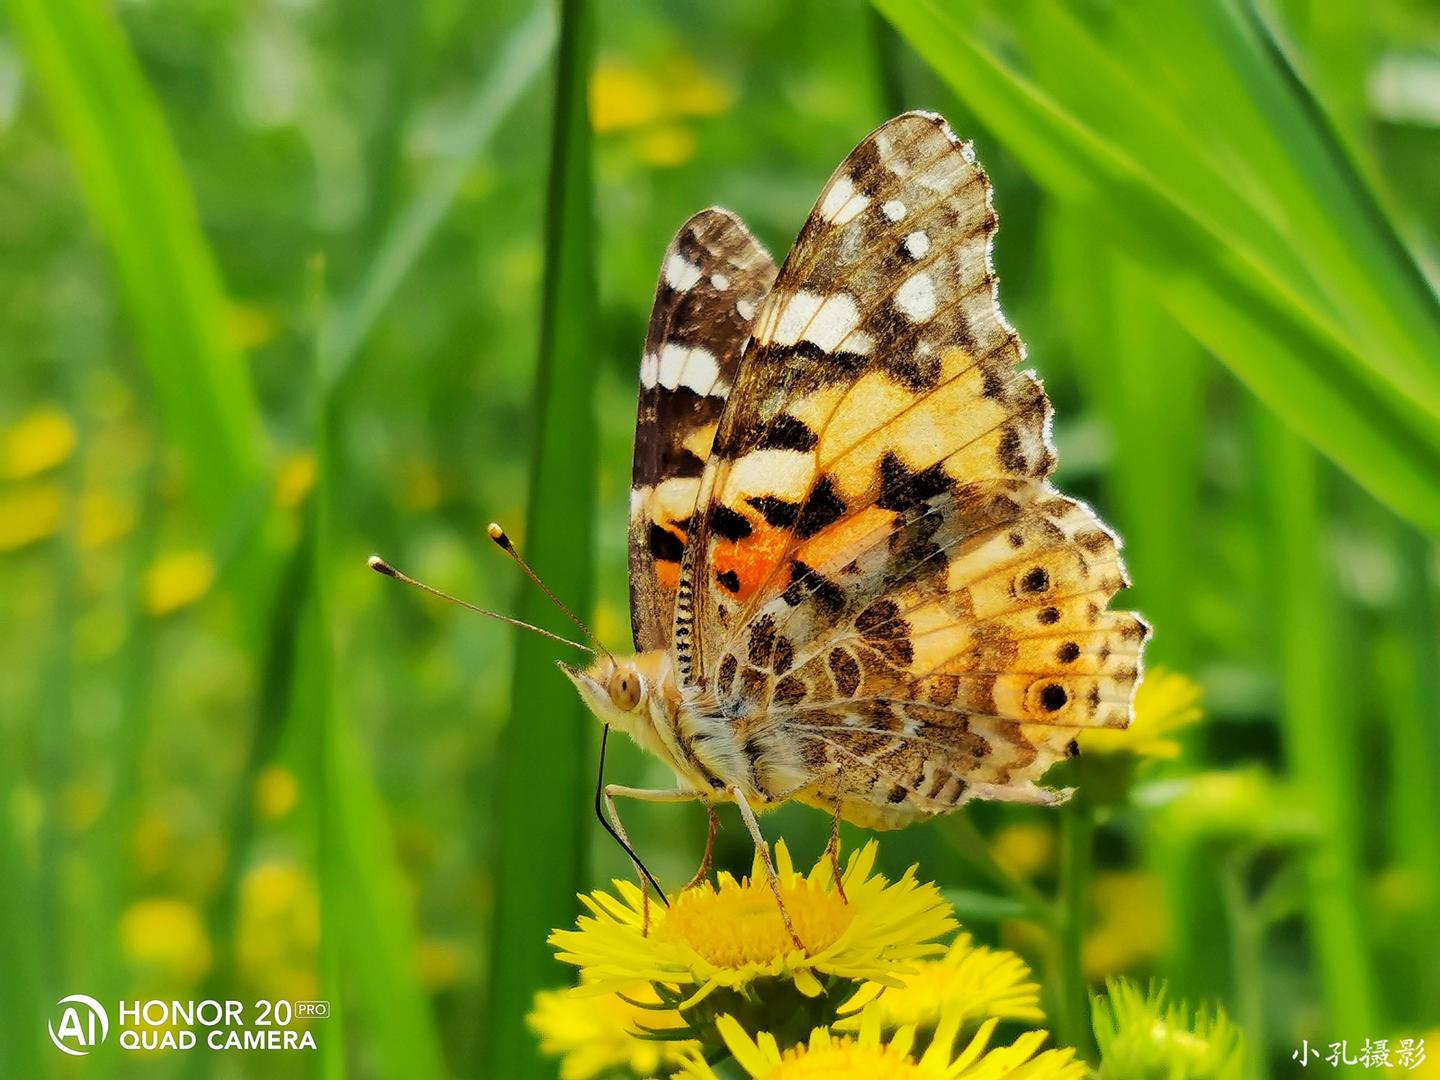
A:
<point x="284" y="282"/>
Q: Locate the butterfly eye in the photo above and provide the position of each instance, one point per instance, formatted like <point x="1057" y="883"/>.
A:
<point x="625" y="689"/>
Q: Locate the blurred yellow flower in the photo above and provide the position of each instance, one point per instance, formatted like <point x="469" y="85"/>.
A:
<point x="665" y="146"/>
<point x="106" y="515"/>
<point x="168" y="939"/>
<point x="248" y="325"/>
<point x="870" y="1056"/>
<point x="1132" y="927"/>
<point x="622" y="96"/>
<point x="651" y="107"/>
<point x="1244" y="805"/>
<point x="1024" y="850"/>
<point x="732" y="935"/>
<point x="594" y="1035"/>
<point x="277" y="933"/>
<point x="82" y="802"/>
<point x="30" y="514"/>
<point x="153" y="842"/>
<point x="1166" y="703"/>
<point x="972" y="981"/>
<point x="294" y="479"/>
<point x="1414" y="1056"/>
<point x="40" y="440"/>
<point x="177" y="580"/>
<point x="441" y="964"/>
<point x="276" y="792"/>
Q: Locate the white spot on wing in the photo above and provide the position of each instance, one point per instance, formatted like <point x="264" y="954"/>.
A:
<point x="842" y="202"/>
<point x="720" y="281"/>
<point x="917" y="244"/>
<point x="649" y="370"/>
<point x="894" y="209"/>
<point x="824" y="320"/>
<point x="694" y="368"/>
<point x="746" y="309"/>
<point x="680" y="272"/>
<point x="916" y="297"/>
<point x="785" y="474"/>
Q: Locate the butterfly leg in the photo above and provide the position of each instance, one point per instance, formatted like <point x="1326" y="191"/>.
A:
<point x="708" y="860"/>
<point x="642" y="795"/>
<point x="748" y="815"/>
<point x="832" y="849"/>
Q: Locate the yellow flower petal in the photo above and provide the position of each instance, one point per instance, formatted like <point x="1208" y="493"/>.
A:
<point x="828" y="1056"/>
<point x="970" y="980"/>
<point x="593" y="1036"/>
<point x="730" y="934"/>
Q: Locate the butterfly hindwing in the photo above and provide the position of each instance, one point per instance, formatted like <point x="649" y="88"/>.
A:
<point x="712" y="281"/>
<point x="881" y="590"/>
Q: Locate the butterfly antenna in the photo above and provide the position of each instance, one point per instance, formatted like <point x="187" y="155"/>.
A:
<point x="380" y="566"/>
<point x="502" y="540"/>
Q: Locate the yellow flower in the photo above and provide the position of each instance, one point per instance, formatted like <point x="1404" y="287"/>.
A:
<point x="592" y="1035"/>
<point x="1024" y="849"/>
<point x="664" y="146"/>
<point x="1140" y="1033"/>
<point x="622" y="96"/>
<point x="1414" y="1057"/>
<point x="106" y="515"/>
<point x="650" y="109"/>
<point x="1132" y="926"/>
<point x="868" y="1056"/>
<point x="277" y="933"/>
<point x="294" y="479"/>
<point x="276" y="792"/>
<point x="177" y="580"/>
<point x="1166" y="703"/>
<point x="167" y="937"/>
<point x="248" y="325"/>
<point x="30" y="514"/>
<point x="732" y="935"/>
<point x="1242" y="805"/>
<point x="40" y="440"/>
<point x="973" y="981"/>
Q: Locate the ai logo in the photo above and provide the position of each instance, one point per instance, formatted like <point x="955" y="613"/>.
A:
<point x="77" y="1034"/>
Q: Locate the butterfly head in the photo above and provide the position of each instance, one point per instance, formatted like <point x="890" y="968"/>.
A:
<point x="614" y="689"/>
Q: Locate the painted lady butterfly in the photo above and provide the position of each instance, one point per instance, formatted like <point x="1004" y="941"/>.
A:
<point x="851" y="583"/>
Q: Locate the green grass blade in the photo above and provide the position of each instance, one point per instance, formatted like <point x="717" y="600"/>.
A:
<point x="518" y="64"/>
<point x="545" y="750"/>
<point x="1137" y="364"/>
<point x="1223" y="271"/>
<point x="1320" y="735"/>
<point x="132" y="179"/>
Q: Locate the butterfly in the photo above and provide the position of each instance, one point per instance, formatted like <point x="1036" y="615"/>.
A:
<point x="851" y="583"/>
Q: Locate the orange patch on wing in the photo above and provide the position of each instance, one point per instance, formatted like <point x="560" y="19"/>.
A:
<point x="844" y="540"/>
<point x="667" y="574"/>
<point x="750" y="559"/>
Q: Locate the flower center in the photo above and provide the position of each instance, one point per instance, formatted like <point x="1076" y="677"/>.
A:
<point x="844" y="1058"/>
<point x="737" y="924"/>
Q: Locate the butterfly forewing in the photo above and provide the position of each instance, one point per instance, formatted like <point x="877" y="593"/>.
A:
<point x="713" y="280"/>
<point x="881" y="590"/>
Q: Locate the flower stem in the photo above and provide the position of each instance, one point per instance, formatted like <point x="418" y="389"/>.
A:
<point x="1077" y="831"/>
<point x="1246" y="942"/>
